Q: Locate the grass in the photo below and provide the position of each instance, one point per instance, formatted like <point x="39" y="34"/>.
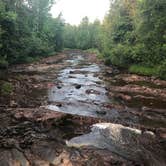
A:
<point x="6" y="88"/>
<point x="144" y="70"/>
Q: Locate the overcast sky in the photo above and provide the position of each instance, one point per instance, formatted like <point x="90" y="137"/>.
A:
<point x="74" y="10"/>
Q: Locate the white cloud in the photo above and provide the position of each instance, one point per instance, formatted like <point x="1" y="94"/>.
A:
<point x="74" y="10"/>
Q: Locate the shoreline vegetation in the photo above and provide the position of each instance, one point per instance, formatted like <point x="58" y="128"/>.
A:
<point x="131" y="36"/>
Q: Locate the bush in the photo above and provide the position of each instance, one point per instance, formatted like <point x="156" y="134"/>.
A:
<point x="107" y="61"/>
<point x="6" y="88"/>
<point x="120" y="55"/>
<point x="24" y="59"/>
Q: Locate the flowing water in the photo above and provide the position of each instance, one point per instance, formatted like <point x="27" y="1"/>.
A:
<point x="80" y="91"/>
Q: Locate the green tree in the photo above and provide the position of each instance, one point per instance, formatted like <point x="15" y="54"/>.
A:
<point x="28" y="31"/>
<point x="151" y="31"/>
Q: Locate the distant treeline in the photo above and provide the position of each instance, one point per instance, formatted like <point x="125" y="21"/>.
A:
<point x="132" y="35"/>
<point x="84" y="36"/>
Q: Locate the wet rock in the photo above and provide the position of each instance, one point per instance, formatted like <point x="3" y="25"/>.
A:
<point x="59" y="87"/>
<point x="71" y="72"/>
<point x="98" y="82"/>
<point x="71" y="76"/>
<point x="101" y="112"/>
<point x="77" y="86"/>
<point x="59" y="105"/>
<point x="92" y="91"/>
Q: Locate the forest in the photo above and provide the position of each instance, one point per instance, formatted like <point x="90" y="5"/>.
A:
<point x="131" y="36"/>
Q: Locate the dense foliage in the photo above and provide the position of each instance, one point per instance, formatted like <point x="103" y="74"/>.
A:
<point x="135" y="33"/>
<point x="132" y="35"/>
<point x="28" y="31"/>
<point x="83" y="36"/>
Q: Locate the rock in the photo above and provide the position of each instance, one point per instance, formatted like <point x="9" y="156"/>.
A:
<point x="71" y="72"/>
<point x="13" y="104"/>
<point x="109" y="72"/>
<point x="114" y="137"/>
<point x="71" y="76"/>
<point x="37" y="114"/>
<point x="13" y="158"/>
<point x="59" y="87"/>
<point x="116" y="71"/>
<point x="149" y="134"/>
<point x="124" y="97"/>
<point x="101" y="112"/>
<point x="59" y="105"/>
<point x="145" y="109"/>
<point x="92" y="91"/>
<point x="78" y="86"/>
<point x="40" y="163"/>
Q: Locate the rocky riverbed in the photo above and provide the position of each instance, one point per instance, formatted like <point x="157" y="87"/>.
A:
<point x="71" y="109"/>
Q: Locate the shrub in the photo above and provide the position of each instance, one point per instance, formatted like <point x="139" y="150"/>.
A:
<point x="107" y="61"/>
<point x="120" y="55"/>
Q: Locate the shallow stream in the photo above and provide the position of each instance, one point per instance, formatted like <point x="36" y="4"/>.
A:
<point x="80" y="91"/>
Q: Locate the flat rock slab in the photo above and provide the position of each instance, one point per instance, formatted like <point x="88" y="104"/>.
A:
<point x="38" y="114"/>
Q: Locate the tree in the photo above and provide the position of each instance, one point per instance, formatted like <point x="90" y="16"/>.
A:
<point x="118" y="30"/>
<point x="83" y="36"/>
<point x="151" y="31"/>
<point x="24" y="32"/>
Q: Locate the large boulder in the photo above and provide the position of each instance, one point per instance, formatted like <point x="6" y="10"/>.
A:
<point x="124" y="141"/>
